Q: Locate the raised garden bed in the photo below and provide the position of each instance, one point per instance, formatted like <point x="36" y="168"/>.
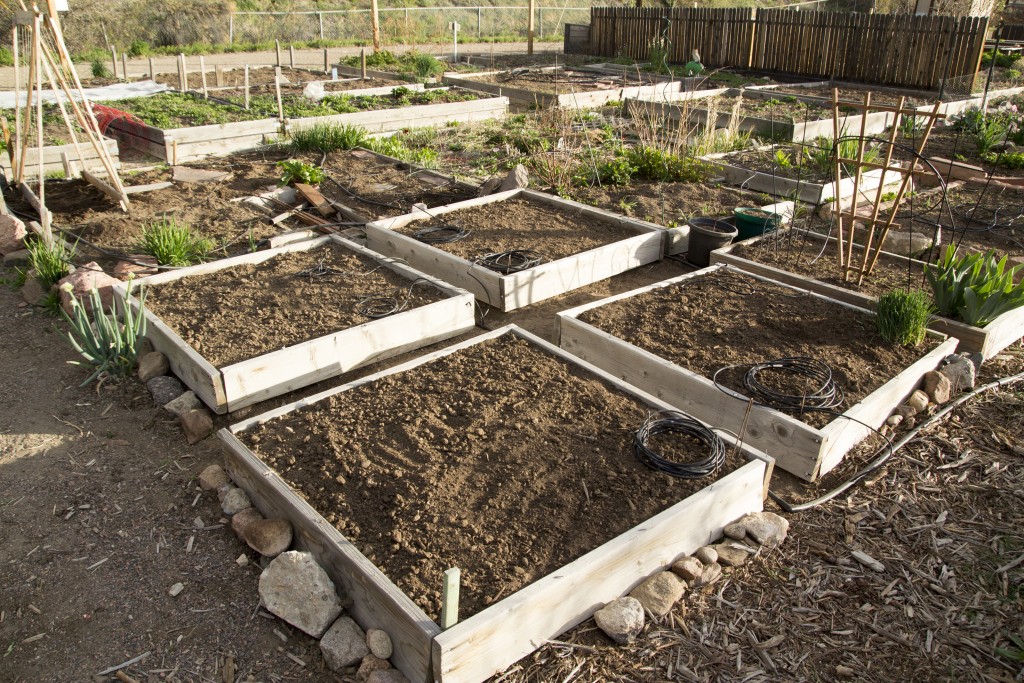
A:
<point x="541" y="542"/>
<point x="244" y="329"/>
<point x="671" y="337"/>
<point x="183" y="127"/>
<point x="799" y="265"/>
<point x="578" y="245"/>
<point x="559" y="87"/>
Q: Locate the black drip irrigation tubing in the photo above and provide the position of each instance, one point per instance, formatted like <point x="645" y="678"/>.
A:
<point x="888" y="451"/>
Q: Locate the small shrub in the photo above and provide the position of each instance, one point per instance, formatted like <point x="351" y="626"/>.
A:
<point x="617" y="171"/>
<point x="328" y="137"/>
<point x="51" y="262"/>
<point x="100" y="70"/>
<point x="174" y="244"/>
<point x="6" y="56"/>
<point x="657" y="55"/>
<point x="654" y="165"/>
<point x="107" y="344"/>
<point x="975" y="288"/>
<point x="902" y="316"/>
<point x="426" y="66"/>
<point x="139" y="48"/>
<point x="294" y="171"/>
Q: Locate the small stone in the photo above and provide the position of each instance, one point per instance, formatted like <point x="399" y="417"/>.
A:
<point x="731" y="556"/>
<point x="164" y="389"/>
<point x="960" y="372"/>
<point x="234" y="501"/>
<point x="489" y="186"/>
<point x="379" y="643"/>
<point x="689" y="568"/>
<point x="735" y="531"/>
<point x="33" y="291"/>
<point x="918" y="401"/>
<point x="659" y="593"/>
<point x="766" y="528"/>
<point x="184" y="403"/>
<point x="976" y="360"/>
<point x="82" y="282"/>
<point x="517" y="179"/>
<point x="12" y="234"/>
<point x="621" y="619"/>
<point x="21" y="257"/>
<point x="241" y="520"/>
<point x="269" y="537"/>
<point x="387" y="676"/>
<point x="152" y="364"/>
<point x="176" y="589"/>
<point x="706" y="554"/>
<point x="937" y="386"/>
<point x="908" y="243"/>
<point x="197" y="425"/>
<point x="242" y="560"/>
<point x="370" y="664"/>
<point x="140" y="265"/>
<point x="344" y="644"/>
<point x="905" y="411"/>
<point x="894" y="420"/>
<point x="295" y="588"/>
<point x="845" y="671"/>
<point x="212" y="478"/>
<point x="712" y="573"/>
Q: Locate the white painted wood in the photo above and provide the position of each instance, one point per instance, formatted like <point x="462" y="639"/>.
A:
<point x="508" y="292"/>
<point x="52" y="158"/>
<point x="494" y="638"/>
<point x="241" y="384"/>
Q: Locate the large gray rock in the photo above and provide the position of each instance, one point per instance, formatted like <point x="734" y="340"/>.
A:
<point x="80" y="283"/>
<point x="21" y="257"/>
<point x="269" y="537"/>
<point x="344" y="644"/>
<point x="688" y="568"/>
<point x="659" y="593"/>
<point x="212" y="478"/>
<point x="241" y="521"/>
<point x="183" y="404"/>
<point x="234" y="500"/>
<point x="731" y="556"/>
<point x="517" y="178"/>
<point x="908" y="243"/>
<point x="12" y="232"/>
<point x="295" y="588"/>
<point x="767" y="528"/>
<point x="960" y="372"/>
<point x="937" y="386"/>
<point x="197" y="425"/>
<point x="165" y="389"/>
<point x="621" y="619"/>
<point x="152" y="364"/>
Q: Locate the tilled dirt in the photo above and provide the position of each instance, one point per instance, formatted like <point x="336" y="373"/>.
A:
<point x="524" y="224"/>
<point x="568" y="81"/>
<point x="501" y="460"/>
<point x="670" y="203"/>
<point x="728" y="319"/>
<point x="281" y="302"/>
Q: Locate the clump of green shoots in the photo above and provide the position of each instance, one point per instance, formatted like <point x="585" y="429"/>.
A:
<point x="328" y="137"/>
<point x="51" y="261"/>
<point x="975" y="288"/>
<point x="106" y="343"/>
<point x="174" y="244"/>
<point x="295" y="171"/>
<point x="902" y="316"/>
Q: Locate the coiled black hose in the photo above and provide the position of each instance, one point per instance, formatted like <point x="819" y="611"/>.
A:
<point x="672" y="422"/>
<point x="511" y="261"/>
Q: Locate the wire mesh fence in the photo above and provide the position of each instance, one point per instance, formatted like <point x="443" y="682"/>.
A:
<point x="405" y="25"/>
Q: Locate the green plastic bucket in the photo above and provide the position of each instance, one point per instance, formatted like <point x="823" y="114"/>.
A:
<point x="752" y="222"/>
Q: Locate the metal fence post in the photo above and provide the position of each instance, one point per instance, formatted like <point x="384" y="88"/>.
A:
<point x="320" y="17"/>
<point x="231" y="28"/>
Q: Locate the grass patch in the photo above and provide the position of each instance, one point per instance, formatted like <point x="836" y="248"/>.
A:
<point x="174" y="244"/>
<point x="327" y="137"/>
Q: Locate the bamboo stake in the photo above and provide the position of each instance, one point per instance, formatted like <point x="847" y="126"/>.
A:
<point x="856" y="183"/>
<point x="17" y="106"/>
<point x="837" y="200"/>
<point x="27" y="122"/>
<point x="63" y="112"/>
<point x="878" y="194"/>
<point x="37" y="42"/>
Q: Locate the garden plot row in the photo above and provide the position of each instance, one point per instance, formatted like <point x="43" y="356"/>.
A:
<point x="178" y="142"/>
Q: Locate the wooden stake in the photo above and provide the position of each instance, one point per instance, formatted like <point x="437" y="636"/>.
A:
<point x="113" y="59"/>
<point x="532" y="9"/>
<point x="124" y="67"/>
<point x="277" y="93"/>
<point x="856" y="181"/>
<point x="202" y="76"/>
<point x="218" y="75"/>
<point x="277" y="49"/>
<point x="327" y="65"/>
<point x="247" y="87"/>
<point x="362" y="64"/>
<point x="152" y="70"/>
<point x="838" y="201"/>
<point x="19" y="173"/>
<point x="878" y="193"/>
<point x="182" y="74"/>
<point x="17" y="106"/>
<point x="375" y="20"/>
<point x="291" y="56"/>
<point x="37" y="49"/>
<point x="450" y="599"/>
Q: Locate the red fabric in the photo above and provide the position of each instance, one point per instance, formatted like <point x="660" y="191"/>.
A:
<point x="107" y="115"/>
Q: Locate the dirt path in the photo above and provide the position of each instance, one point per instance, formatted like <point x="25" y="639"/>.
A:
<point x="309" y="58"/>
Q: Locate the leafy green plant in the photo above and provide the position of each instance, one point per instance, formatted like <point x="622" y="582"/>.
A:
<point x="174" y="244"/>
<point x="327" y="137"/>
<point x="295" y="171"/>
<point x="783" y="159"/>
<point x="657" y="55"/>
<point x="652" y="164"/>
<point x="139" y="48"/>
<point x="1014" y="655"/>
<point x="426" y="66"/>
<point x="990" y="132"/>
<point x="616" y="171"/>
<point x="51" y="262"/>
<point x="6" y="56"/>
<point x="975" y="288"/>
<point x="821" y="155"/>
<point x="901" y="316"/>
<point x="100" y="70"/>
<point x="1005" y="159"/>
<point x="107" y="344"/>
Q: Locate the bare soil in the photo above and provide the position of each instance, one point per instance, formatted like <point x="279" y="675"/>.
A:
<point x="281" y="302"/>
<point x="564" y="81"/>
<point x="856" y="96"/>
<point x="784" y="161"/>
<point x="296" y="90"/>
<point x="385" y="461"/>
<point x="727" y="319"/>
<point x="524" y="224"/>
<point x="236" y="76"/>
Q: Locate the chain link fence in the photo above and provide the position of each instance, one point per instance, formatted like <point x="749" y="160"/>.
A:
<point x="405" y="25"/>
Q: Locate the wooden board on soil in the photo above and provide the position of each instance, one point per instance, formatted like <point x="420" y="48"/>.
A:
<point x="558" y="87"/>
<point x="577" y="244"/>
<point x="672" y="337"/>
<point x="251" y="327"/>
<point x="801" y="258"/>
<point x="372" y="497"/>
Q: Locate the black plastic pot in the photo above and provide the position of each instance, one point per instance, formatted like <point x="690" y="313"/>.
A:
<point x="706" y="235"/>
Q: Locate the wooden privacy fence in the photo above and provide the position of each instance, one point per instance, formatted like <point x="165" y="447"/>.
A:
<point x="884" y="49"/>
